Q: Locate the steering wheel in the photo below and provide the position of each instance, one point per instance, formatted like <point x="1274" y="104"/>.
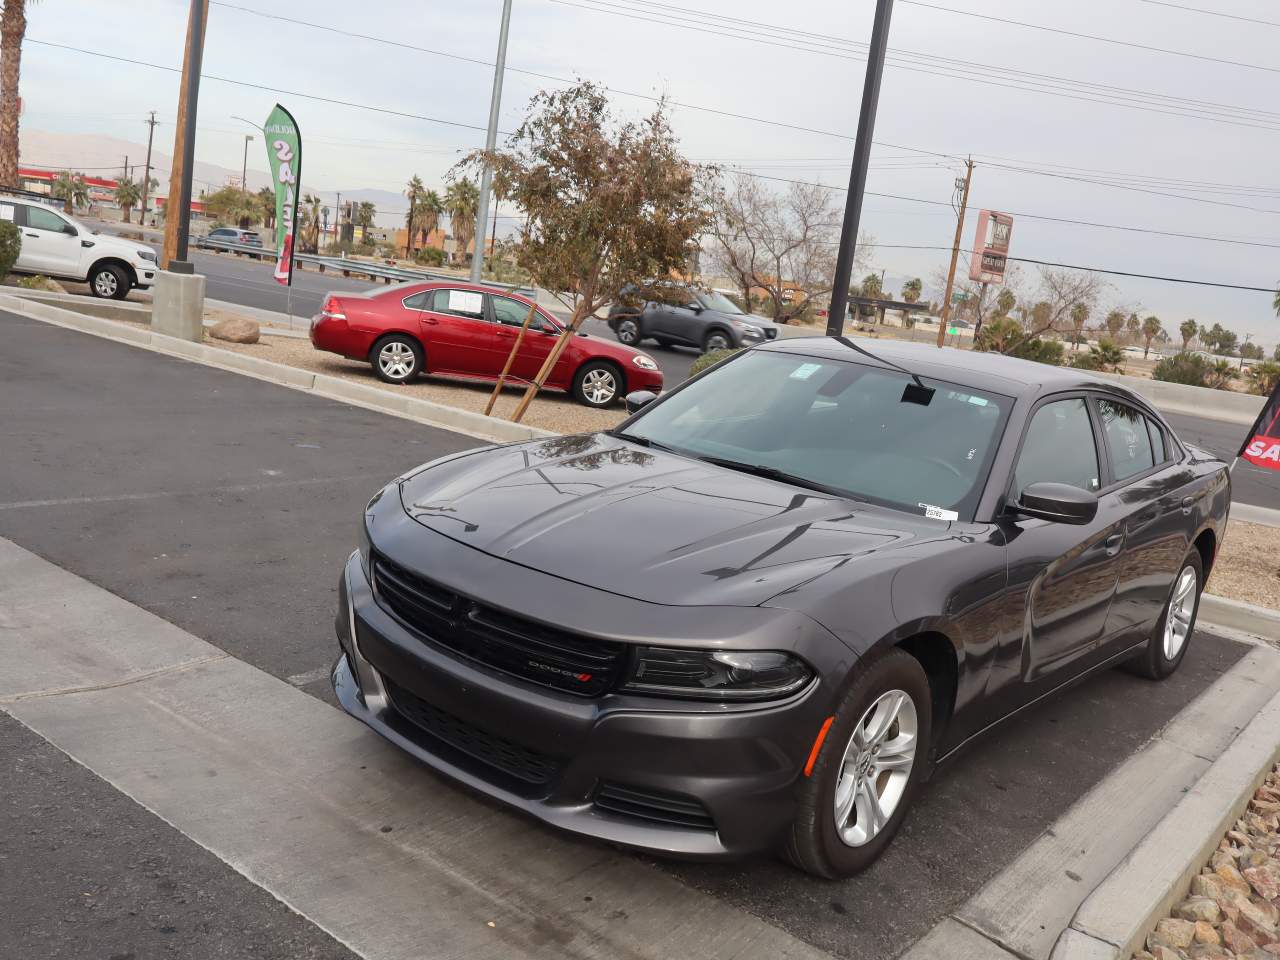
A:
<point x="950" y="468"/>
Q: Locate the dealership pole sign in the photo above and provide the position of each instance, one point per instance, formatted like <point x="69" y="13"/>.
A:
<point x="991" y="247"/>
<point x="284" y="156"/>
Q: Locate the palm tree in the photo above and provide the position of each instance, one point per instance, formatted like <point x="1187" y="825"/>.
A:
<point x="461" y="201"/>
<point x="1188" y="329"/>
<point x="1005" y="302"/>
<point x="1133" y="325"/>
<point x="1079" y="314"/>
<point x="266" y="198"/>
<point x="429" y="209"/>
<point x="71" y="190"/>
<point x="1276" y="302"/>
<point x="1114" y="323"/>
<point x="13" y="27"/>
<point x="1151" y="329"/>
<point x="413" y="190"/>
<point x="310" y="233"/>
<point x="911" y="290"/>
<point x="127" y="193"/>
<point x="365" y="213"/>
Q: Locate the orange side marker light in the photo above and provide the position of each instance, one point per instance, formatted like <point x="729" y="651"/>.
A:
<point x="817" y="745"/>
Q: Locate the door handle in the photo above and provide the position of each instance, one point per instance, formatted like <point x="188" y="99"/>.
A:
<point x="1188" y="503"/>
<point x="34" y="236"/>
<point x="1113" y="544"/>
<point x="430" y="320"/>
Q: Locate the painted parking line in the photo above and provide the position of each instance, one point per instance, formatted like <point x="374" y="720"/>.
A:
<point x="320" y="812"/>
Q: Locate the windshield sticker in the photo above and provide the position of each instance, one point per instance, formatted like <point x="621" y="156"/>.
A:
<point x="978" y="401"/>
<point x="6" y="212"/>
<point x="466" y="301"/>
<point x="937" y="513"/>
<point x="805" y="371"/>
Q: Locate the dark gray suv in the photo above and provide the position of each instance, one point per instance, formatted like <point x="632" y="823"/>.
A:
<point x="694" y="318"/>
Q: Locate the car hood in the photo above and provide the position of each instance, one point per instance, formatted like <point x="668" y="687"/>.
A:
<point x="107" y="243"/>
<point x="599" y="347"/>
<point x="649" y="524"/>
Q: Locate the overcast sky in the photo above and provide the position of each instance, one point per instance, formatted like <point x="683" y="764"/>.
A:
<point x="1219" y="169"/>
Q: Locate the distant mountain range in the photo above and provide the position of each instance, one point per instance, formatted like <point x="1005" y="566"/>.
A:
<point x="99" y="155"/>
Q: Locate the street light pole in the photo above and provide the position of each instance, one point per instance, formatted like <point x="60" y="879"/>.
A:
<point x="244" y="167"/>
<point x="858" y="175"/>
<point x="490" y="141"/>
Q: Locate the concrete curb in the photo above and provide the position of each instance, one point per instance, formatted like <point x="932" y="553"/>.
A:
<point x="1239" y="616"/>
<point x="1115" y="918"/>
<point x="332" y="388"/>
<point x="1249" y="513"/>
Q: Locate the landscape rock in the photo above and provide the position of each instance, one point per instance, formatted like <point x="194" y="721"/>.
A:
<point x="1205" y="933"/>
<point x="1172" y="932"/>
<point x="1198" y="908"/>
<point x="1236" y="940"/>
<point x="236" y="330"/>
<point x="1264" y="878"/>
<point x="1232" y="877"/>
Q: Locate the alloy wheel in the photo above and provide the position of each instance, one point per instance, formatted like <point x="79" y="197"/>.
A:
<point x="599" y="386"/>
<point x="717" y="341"/>
<point x="397" y="360"/>
<point x="628" y="332"/>
<point x="876" y="768"/>
<point x="1182" y="607"/>
<point x="105" y="284"/>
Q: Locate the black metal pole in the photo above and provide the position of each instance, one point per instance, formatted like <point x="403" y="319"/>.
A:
<point x="195" y="53"/>
<point x="858" y="175"/>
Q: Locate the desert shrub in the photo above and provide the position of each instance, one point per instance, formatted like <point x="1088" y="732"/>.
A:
<point x="1263" y="377"/>
<point x="10" y="245"/>
<point x="708" y="359"/>
<point x="429" y="257"/>
<point x="1005" y="335"/>
<point x="1105" y="355"/>
<point x="1195" y="370"/>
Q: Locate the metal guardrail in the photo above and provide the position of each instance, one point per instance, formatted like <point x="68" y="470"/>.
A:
<point x="349" y="267"/>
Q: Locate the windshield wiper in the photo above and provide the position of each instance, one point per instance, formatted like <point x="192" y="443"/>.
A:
<point x="646" y="442"/>
<point x="773" y="473"/>
<point x="915" y="392"/>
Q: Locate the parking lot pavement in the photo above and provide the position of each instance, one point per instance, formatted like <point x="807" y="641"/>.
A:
<point x="87" y="872"/>
<point x="226" y="506"/>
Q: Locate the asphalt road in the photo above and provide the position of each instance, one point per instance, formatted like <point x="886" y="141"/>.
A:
<point x="226" y="505"/>
<point x="1249" y="484"/>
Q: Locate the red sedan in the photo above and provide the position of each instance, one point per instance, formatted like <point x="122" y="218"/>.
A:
<point x="463" y="330"/>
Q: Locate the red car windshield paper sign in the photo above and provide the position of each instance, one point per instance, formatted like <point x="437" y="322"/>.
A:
<point x="284" y="157"/>
<point x="1261" y="446"/>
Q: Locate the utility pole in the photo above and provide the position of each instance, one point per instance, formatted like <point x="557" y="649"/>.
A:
<point x="858" y="175"/>
<point x="491" y="140"/>
<point x="146" y="177"/>
<point x="177" y="223"/>
<point x="955" y="254"/>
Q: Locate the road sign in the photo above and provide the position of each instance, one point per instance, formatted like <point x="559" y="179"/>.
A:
<point x="959" y="296"/>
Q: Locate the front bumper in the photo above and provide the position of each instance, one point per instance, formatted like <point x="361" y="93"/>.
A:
<point x="740" y="764"/>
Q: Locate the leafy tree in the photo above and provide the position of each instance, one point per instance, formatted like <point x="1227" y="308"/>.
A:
<point x="13" y="27"/>
<point x="233" y="205"/>
<point x="1219" y="340"/>
<point x="911" y="290"/>
<point x="1276" y="354"/>
<point x="1151" y="328"/>
<point x="608" y="204"/>
<point x="414" y="191"/>
<point x="127" y="193"/>
<point x="1263" y="377"/>
<point x="10" y="246"/>
<point x="710" y="358"/>
<point x="1079" y="316"/>
<point x="71" y="189"/>
<point x="1275" y="304"/>
<point x="1006" y="335"/>
<point x="1251" y="351"/>
<point x="461" y="201"/>
<point x="1188" y="329"/>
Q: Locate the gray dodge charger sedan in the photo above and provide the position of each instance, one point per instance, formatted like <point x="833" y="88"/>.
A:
<point x="755" y="615"/>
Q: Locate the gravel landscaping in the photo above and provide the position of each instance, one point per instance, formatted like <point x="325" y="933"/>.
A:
<point x="1248" y="565"/>
<point x="1233" y="908"/>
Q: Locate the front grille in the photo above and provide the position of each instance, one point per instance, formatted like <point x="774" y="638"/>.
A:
<point x="510" y="758"/>
<point x="653" y="805"/>
<point x="509" y="644"/>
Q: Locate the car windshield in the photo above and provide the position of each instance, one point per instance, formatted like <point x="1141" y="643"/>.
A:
<point x="717" y="301"/>
<point x="839" y="425"/>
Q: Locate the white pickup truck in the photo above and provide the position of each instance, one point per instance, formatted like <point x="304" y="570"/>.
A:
<point x="56" y="245"/>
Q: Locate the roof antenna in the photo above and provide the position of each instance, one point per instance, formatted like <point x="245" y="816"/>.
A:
<point x="915" y="392"/>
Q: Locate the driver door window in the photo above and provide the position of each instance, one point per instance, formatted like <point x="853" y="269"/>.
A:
<point x="1059" y="448"/>
<point x="49" y="244"/>
<point x="40" y="219"/>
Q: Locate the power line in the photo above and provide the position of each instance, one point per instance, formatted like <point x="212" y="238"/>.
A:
<point x="1211" y="13"/>
<point x="1146" y="276"/>
<point x="1090" y="36"/>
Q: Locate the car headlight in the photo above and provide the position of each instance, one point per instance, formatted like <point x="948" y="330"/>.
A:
<point x="644" y="362"/>
<point x="717" y="674"/>
<point x="148" y="255"/>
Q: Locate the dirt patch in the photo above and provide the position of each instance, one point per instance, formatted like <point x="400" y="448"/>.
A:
<point x="1248" y="565"/>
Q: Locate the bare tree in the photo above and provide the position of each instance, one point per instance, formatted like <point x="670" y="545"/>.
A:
<point x="781" y="245"/>
<point x="1064" y="290"/>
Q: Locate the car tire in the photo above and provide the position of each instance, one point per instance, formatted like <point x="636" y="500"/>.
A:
<point x="597" y="384"/>
<point x="109" y="282"/>
<point x="628" y="332"/>
<point x="716" y="340"/>
<point x="396" y="358"/>
<point x="850" y="770"/>
<point x="1171" y="637"/>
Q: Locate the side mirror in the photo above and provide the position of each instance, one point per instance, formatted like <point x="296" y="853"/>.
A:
<point x="1059" y="502"/>
<point x="637" y="399"/>
<point x="695" y="307"/>
<point x="70" y="231"/>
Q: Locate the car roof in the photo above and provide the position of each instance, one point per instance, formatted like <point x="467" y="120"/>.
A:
<point x="994" y="371"/>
